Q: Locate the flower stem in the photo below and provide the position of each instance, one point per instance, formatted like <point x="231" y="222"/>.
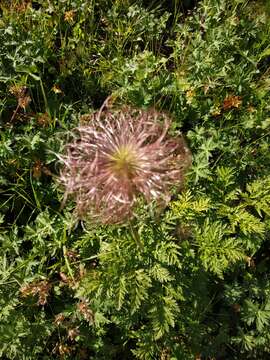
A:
<point x="135" y="235"/>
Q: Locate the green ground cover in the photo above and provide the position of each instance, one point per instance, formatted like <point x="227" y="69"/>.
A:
<point x="198" y="285"/>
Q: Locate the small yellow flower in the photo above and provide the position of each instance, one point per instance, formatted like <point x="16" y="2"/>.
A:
<point x="18" y="90"/>
<point x="216" y="111"/>
<point x="69" y="16"/>
<point x="190" y="94"/>
<point x="56" y="89"/>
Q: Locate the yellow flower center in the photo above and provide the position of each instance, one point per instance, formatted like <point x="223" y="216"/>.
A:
<point x="123" y="161"/>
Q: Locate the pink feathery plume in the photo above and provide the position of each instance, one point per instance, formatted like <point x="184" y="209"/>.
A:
<point x="118" y="156"/>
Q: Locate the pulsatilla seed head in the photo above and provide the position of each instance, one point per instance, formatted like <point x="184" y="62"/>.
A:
<point x="118" y="156"/>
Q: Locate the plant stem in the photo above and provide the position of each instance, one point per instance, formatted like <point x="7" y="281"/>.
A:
<point x="135" y="235"/>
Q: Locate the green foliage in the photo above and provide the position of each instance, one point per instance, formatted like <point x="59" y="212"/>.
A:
<point x="189" y="282"/>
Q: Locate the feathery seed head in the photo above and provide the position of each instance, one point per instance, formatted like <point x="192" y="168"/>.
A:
<point x="118" y="156"/>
